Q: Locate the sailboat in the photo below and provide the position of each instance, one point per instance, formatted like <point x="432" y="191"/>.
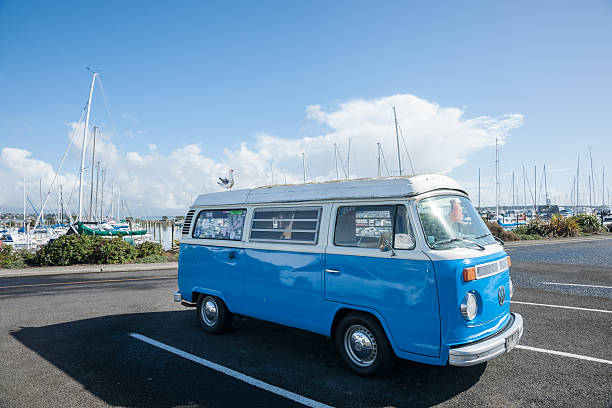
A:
<point x="91" y="226"/>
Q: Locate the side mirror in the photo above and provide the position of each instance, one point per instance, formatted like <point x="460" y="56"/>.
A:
<point x="384" y="243"/>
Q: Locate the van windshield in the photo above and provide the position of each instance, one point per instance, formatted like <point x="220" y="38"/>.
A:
<point x="452" y="222"/>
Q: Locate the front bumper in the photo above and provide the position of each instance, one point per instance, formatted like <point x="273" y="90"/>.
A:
<point x="179" y="298"/>
<point x="490" y="347"/>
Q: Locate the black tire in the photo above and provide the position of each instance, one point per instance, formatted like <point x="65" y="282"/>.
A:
<point x="217" y="321"/>
<point x="363" y="345"/>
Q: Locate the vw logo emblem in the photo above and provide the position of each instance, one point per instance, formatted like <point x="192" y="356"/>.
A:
<point x="501" y="295"/>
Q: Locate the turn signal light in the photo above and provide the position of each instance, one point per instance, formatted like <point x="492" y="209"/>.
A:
<point x="509" y="263"/>
<point x="469" y="274"/>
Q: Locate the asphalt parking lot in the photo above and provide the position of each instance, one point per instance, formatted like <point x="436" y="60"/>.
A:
<point x="117" y="339"/>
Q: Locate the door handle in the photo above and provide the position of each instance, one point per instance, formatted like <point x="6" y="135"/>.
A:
<point x="231" y="255"/>
<point x="330" y="270"/>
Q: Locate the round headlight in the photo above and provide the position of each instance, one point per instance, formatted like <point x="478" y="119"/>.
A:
<point x="511" y="289"/>
<point x="469" y="306"/>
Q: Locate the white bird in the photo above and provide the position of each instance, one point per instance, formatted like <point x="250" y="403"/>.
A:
<point x="227" y="182"/>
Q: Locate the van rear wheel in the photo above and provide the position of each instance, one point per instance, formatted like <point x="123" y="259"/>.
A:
<point x="213" y="314"/>
<point x="363" y="345"/>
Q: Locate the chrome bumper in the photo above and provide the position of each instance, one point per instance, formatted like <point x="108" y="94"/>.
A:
<point x="483" y="350"/>
<point x="179" y="298"/>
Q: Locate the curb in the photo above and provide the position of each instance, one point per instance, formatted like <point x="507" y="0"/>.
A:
<point x="67" y="270"/>
<point x="557" y="241"/>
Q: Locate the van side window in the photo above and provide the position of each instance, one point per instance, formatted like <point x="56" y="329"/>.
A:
<point x="220" y="224"/>
<point x="362" y="226"/>
<point x="298" y="225"/>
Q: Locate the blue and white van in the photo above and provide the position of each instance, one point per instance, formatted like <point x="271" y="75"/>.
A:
<point x="400" y="266"/>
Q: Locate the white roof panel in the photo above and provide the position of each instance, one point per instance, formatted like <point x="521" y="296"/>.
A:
<point x="390" y="187"/>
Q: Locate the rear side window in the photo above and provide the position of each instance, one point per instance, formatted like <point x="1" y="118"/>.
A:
<point x="362" y="226"/>
<point x="220" y="224"/>
<point x="299" y="225"/>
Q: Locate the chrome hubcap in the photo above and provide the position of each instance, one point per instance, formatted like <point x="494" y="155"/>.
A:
<point x="210" y="312"/>
<point x="360" y="345"/>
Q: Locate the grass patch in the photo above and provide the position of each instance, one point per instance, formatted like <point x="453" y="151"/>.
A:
<point x="15" y="265"/>
<point x="529" y="237"/>
<point x="152" y="259"/>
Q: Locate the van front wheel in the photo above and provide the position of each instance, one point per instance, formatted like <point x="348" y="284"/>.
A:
<point x="363" y="345"/>
<point x="213" y="314"/>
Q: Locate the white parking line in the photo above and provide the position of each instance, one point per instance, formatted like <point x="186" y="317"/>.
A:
<point x="564" y="354"/>
<point x="576" y="284"/>
<point x="563" y="307"/>
<point x="235" y="374"/>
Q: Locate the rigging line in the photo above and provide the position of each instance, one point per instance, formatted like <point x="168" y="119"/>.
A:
<point x="528" y="185"/>
<point x="341" y="162"/>
<point x="541" y="183"/>
<point x="61" y="164"/>
<point x="382" y="153"/>
<point x="107" y="106"/>
<point x="405" y="147"/>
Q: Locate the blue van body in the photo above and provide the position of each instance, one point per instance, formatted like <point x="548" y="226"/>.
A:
<point x="416" y="294"/>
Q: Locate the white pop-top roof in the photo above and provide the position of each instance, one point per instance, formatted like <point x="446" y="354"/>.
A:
<point x="391" y="187"/>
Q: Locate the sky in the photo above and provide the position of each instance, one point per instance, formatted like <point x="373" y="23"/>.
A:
<point x="188" y="90"/>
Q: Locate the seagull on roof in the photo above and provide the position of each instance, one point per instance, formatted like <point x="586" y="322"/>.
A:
<point x="227" y="182"/>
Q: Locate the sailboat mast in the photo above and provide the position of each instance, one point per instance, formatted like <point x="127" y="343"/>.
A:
<point x="513" y="189"/>
<point x="102" y="198"/>
<point x="592" y="177"/>
<point x="59" y="206"/>
<point x="42" y="211"/>
<point x="348" y="161"/>
<point x="93" y="80"/>
<point x="535" y="193"/>
<point x="479" y="189"/>
<point x="496" y="179"/>
<point x="113" y="200"/>
<point x="399" y="157"/>
<point x="524" y="191"/>
<point x="378" y="159"/>
<point x="546" y="186"/>
<point x="304" y="165"/>
<point x="93" y="158"/>
<point x="590" y="195"/>
<point x="336" y="159"/>
<point x="97" y="185"/>
<point x="24" y="205"/>
<point x="577" y="184"/>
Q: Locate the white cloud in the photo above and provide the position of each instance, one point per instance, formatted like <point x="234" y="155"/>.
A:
<point x="438" y="138"/>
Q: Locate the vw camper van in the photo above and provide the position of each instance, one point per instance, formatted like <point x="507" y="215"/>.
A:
<point x="388" y="267"/>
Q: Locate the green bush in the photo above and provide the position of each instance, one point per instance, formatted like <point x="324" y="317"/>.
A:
<point x="149" y="248"/>
<point x="534" y="227"/>
<point x="67" y="250"/>
<point x="84" y="249"/>
<point x="589" y="223"/>
<point x="557" y="226"/>
<point x="8" y="255"/>
<point x="113" y="251"/>
<point x="521" y="230"/>
<point x="501" y="233"/>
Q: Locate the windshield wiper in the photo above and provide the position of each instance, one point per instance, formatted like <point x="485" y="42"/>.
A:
<point x="483" y="235"/>
<point x="449" y="241"/>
